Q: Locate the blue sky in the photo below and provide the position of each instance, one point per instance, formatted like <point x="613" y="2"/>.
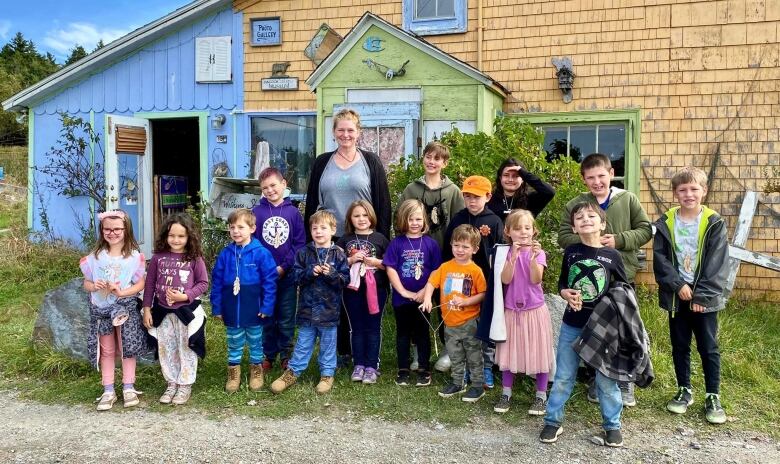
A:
<point x="57" y="26"/>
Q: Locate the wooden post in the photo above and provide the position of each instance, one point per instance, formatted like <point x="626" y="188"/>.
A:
<point x="741" y="233"/>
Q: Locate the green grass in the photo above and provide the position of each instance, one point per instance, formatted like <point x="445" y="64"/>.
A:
<point x="749" y="340"/>
<point x="14" y="161"/>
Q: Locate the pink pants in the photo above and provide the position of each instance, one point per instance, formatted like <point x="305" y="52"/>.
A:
<point x="110" y="350"/>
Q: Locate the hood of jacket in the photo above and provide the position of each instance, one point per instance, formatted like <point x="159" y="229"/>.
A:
<point x="420" y="183"/>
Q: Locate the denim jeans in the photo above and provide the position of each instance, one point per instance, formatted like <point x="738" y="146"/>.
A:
<point x="365" y="328"/>
<point x="237" y="337"/>
<point x="304" y="348"/>
<point x="567" y="362"/>
<point x="280" y="329"/>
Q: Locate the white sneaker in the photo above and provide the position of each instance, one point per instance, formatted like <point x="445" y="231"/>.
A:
<point x="415" y="359"/>
<point x="106" y="401"/>
<point x="443" y="364"/>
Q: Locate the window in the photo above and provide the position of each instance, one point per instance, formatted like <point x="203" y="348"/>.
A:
<point x="431" y="17"/>
<point x="290" y="144"/>
<point x="578" y="134"/>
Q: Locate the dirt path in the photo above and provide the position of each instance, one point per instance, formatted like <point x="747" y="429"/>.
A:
<point x="34" y="432"/>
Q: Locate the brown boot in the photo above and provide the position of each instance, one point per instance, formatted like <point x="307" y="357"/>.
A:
<point x="326" y="383"/>
<point x="255" y="377"/>
<point x="234" y="379"/>
<point x="279" y="385"/>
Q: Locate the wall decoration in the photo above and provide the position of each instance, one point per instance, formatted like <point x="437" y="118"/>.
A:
<point x="373" y="44"/>
<point x="389" y="72"/>
<point x="323" y="42"/>
<point x="265" y="32"/>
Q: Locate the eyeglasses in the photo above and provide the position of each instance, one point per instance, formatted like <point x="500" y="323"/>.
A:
<point x="115" y="231"/>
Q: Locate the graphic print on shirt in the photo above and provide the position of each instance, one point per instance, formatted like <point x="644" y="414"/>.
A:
<point x="412" y="266"/>
<point x="276" y="231"/>
<point x="173" y="273"/>
<point x="589" y="277"/>
<point x="459" y="284"/>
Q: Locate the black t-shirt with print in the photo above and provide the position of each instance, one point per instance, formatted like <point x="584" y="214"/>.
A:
<point x="591" y="271"/>
<point x="374" y="244"/>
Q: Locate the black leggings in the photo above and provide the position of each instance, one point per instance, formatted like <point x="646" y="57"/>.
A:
<point x="412" y="325"/>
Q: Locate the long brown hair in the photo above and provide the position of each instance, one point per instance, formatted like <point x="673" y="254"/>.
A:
<point x="128" y="246"/>
<point x="193" y="249"/>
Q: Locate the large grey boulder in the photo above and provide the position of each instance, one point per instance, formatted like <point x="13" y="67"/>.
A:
<point x="63" y="319"/>
<point x="556" y="305"/>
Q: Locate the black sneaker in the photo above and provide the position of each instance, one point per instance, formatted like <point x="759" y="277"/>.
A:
<point x="503" y="404"/>
<point x="538" y="408"/>
<point x="593" y="393"/>
<point x="402" y="379"/>
<point x="474" y="394"/>
<point x="423" y="379"/>
<point x="713" y="410"/>
<point x="679" y="404"/>
<point x="451" y="390"/>
<point x="627" y="393"/>
<point x="613" y="438"/>
<point x="550" y="434"/>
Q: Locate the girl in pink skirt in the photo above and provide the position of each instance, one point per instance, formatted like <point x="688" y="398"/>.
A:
<point x="528" y="346"/>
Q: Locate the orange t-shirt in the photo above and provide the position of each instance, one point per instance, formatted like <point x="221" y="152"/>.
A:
<point x="463" y="280"/>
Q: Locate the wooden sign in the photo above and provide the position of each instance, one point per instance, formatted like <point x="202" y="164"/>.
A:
<point x="279" y="83"/>
<point x="265" y="32"/>
<point x="228" y="202"/>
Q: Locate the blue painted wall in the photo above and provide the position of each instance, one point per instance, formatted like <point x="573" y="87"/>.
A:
<point x="157" y="77"/>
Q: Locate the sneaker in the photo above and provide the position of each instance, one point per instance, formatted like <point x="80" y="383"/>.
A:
<point x="466" y="377"/>
<point x="613" y="438"/>
<point x="423" y="379"/>
<point x="370" y="376"/>
<point x="627" y="393"/>
<point x="402" y="379"/>
<point x="415" y="359"/>
<point x="233" y="379"/>
<point x="713" y="410"/>
<point x="167" y="395"/>
<point x="451" y="390"/>
<point x="679" y="404"/>
<point x="130" y="397"/>
<point x="538" y="408"/>
<point x="106" y="401"/>
<point x="443" y="364"/>
<point x="473" y="394"/>
<point x="256" y="379"/>
<point x="326" y="383"/>
<point x="357" y="374"/>
<point x="182" y="394"/>
<point x="343" y="360"/>
<point x="267" y="364"/>
<point x="550" y="434"/>
<point x="282" y="383"/>
<point x="489" y="381"/>
<point x="593" y="392"/>
<point x="502" y="405"/>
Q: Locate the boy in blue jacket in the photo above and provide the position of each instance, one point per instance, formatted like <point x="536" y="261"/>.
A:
<point x="242" y="293"/>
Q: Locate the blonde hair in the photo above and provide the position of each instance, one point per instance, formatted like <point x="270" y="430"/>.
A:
<point x="348" y="114"/>
<point x="348" y="227"/>
<point x="403" y="213"/>
<point x="242" y="214"/>
<point x="689" y="175"/>
<point x="513" y="222"/>
<point x="323" y="217"/>
<point x="466" y="233"/>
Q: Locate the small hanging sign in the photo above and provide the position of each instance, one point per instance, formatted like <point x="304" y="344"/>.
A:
<point x="279" y="83"/>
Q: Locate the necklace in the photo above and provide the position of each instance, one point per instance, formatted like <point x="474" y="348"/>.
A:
<point x="237" y="282"/>
<point x="417" y="256"/>
<point x="508" y="207"/>
<point x="366" y="248"/>
<point x="434" y="210"/>
<point x="324" y="261"/>
<point x="338" y="152"/>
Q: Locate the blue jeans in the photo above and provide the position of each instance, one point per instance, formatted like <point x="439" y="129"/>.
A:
<point x="237" y="337"/>
<point x="304" y="348"/>
<point x="365" y="328"/>
<point x="280" y="329"/>
<point x="568" y="361"/>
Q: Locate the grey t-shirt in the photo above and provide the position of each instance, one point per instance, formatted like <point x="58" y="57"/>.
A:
<point x="686" y="241"/>
<point x="340" y="187"/>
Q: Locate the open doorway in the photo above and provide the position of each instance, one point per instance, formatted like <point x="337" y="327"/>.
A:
<point x="176" y="155"/>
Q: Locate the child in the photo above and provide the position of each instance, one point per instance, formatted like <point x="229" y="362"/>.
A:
<point x="113" y="276"/>
<point x="511" y="191"/>
<point x="321" y="272"/>
<point x="588" y="270"/>
<point x="365" y="295"/>
<point x="689" y="255"/>
<point x="409" y="260"/>
<point x="463" y="288"/>
<point x="628" y="228"/>
<point x="172" y="312"/>
<point x="528" y="345"/>
<point x="476" y="194"/>
<point x="280" y="230"/>
<point x="242" y="294"/>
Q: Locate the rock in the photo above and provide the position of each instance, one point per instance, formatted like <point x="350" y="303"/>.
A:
<point x="63" y="320"/>
<point x="556" y="305"/>
<point x="695" y="445"/>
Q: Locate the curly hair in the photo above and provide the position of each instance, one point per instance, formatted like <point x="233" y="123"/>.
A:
<point x="193" y="249"/>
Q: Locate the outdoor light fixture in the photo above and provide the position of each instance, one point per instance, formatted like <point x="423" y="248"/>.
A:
<point x="218" y="121"/>
<point x="564" y="71"/>
<point x="21" y="116"/>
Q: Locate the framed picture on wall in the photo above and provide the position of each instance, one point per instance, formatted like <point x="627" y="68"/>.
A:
<point x="265" y="31"/>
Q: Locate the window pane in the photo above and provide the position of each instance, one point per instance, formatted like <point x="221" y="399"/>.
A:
<point x="291" y="143"/>
<point x="425" y="9"/>
<point x="391" y="144"/>
<point x="369" y="139"/>
<point x="582" y="141"/>
<point x="446" y="9"/>
<point x="612" y="142"/>
<point x="555" y="141"/>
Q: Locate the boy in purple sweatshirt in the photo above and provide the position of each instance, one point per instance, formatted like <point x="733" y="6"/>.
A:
<point x="280" y="230"/>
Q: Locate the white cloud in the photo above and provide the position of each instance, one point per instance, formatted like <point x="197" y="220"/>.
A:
<point x="5" y="28"/>
<point x="61" y="41"/>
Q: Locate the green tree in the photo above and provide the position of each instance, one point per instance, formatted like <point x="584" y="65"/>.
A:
<point x="76" y="54"/>
<point x="98" y="46"/>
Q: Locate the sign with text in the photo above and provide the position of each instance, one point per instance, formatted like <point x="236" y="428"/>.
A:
<point x="266" y="31"/>
<point x="279" y="83"/>
<point x="228" y="202"/>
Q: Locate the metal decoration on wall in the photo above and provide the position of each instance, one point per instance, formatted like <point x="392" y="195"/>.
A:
<point x="564" y="71"/>
<point x="325" y="40"/>
<point x="373" y="44"/>
<point x="389" y="72"/>
<point x="280" y="69"/>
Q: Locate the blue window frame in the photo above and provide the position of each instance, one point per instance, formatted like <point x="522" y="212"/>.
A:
<point x="432" y="17"/>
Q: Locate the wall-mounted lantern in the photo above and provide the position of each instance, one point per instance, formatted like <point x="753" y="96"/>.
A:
<point x="564" y="71"/>
<point x="218" y="121"/>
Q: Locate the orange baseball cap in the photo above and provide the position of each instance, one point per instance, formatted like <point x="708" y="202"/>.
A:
<point x="476" y="185"/>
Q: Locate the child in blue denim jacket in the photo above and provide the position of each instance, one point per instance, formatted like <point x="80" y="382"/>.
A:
<point x="321" y="271"/>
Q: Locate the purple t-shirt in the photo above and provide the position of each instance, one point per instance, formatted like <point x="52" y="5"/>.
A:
<point x="520" y="294"/>
<point x="413" y="259"/>
<point x="170" y="270"/>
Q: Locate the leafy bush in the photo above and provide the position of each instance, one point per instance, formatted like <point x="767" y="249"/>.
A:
<point x="213" y="232"/>
<point x="481" y="154"/>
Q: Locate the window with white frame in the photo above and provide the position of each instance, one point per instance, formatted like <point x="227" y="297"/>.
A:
<point x="431" y="17"/>
<point x="286" y="142"/>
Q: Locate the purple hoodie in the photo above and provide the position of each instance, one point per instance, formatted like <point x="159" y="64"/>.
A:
<point x="280" y="230"/>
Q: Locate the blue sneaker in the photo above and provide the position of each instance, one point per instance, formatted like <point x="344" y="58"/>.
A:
<point x="489" y="381"/>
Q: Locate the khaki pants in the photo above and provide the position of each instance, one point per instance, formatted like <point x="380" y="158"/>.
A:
<point x="465" y="349"/>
